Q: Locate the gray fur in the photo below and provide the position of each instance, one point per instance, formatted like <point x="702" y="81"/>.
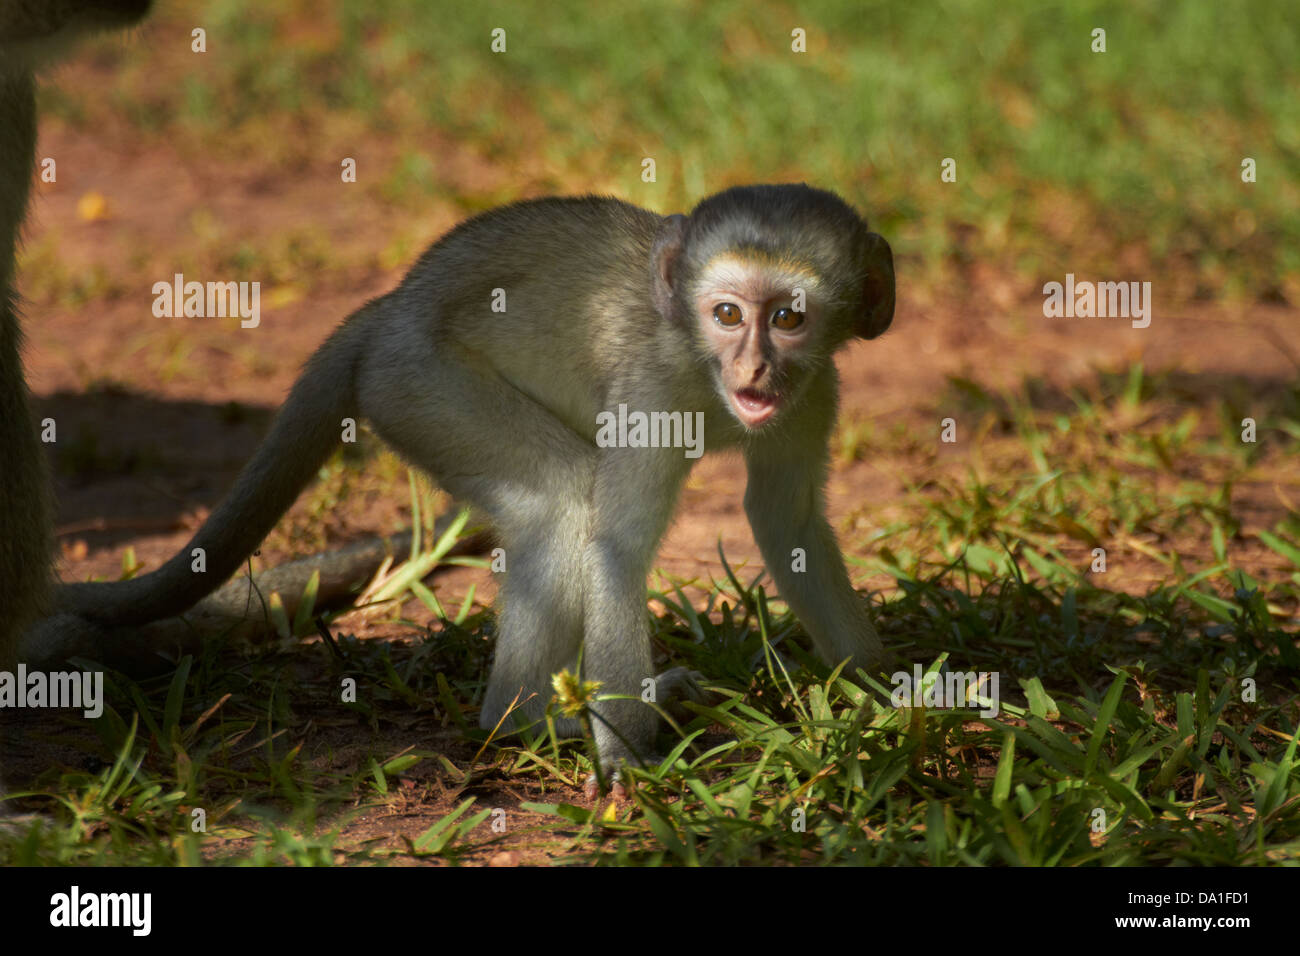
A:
<point x="501" y="409"/>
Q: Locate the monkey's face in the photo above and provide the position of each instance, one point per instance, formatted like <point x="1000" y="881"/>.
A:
<point x="761" y="325"/>
<point x="771" y="280"/>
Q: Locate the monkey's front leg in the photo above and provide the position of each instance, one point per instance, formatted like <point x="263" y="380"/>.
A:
<point x="633" y="498"/>
<point x="787" y="512"/>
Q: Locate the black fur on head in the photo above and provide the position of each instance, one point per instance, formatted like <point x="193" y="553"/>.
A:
<point x="791" y="222"/>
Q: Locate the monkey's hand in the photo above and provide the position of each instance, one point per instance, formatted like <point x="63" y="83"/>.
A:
<point x="679" y="683"/>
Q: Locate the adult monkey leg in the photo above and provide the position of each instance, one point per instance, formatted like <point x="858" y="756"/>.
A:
<point x="32" y="33"/>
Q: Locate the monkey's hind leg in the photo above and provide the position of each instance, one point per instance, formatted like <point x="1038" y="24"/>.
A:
<point x="539" y="624"/>
<point x="489" y="444"/>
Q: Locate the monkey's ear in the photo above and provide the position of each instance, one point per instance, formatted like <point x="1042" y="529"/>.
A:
<point x="878" y="288"/>
<point x="664" y="258"/>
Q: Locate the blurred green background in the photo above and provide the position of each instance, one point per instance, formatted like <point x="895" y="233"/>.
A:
<point x="1125" y="163"/>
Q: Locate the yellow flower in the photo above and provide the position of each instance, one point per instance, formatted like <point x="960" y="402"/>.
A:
<point x="572" y="694"/>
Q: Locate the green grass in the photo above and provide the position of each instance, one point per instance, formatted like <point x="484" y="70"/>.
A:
<point x="1145" y="719"/>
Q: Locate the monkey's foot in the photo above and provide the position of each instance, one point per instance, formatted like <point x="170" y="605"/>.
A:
<point x="618" y="785"/>
<point x="674" y="685"/>
<point x="617" y="789"/>
<point x="679" y="683"/>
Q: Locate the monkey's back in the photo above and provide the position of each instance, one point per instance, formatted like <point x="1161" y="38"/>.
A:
<point x="552" y="294"/>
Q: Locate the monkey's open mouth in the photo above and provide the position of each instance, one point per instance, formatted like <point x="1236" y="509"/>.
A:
<point x="753" y="407"/>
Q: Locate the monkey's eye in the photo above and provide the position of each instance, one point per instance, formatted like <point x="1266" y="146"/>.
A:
<point x="727" y="314"/>
<point x="787" y="320"/>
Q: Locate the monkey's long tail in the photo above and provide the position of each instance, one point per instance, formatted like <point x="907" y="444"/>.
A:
<point x="304" y="434"/>
<point x="238" y="608"/>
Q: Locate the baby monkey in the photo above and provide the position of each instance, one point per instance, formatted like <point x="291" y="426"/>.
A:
<point x="490" y="366"/>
